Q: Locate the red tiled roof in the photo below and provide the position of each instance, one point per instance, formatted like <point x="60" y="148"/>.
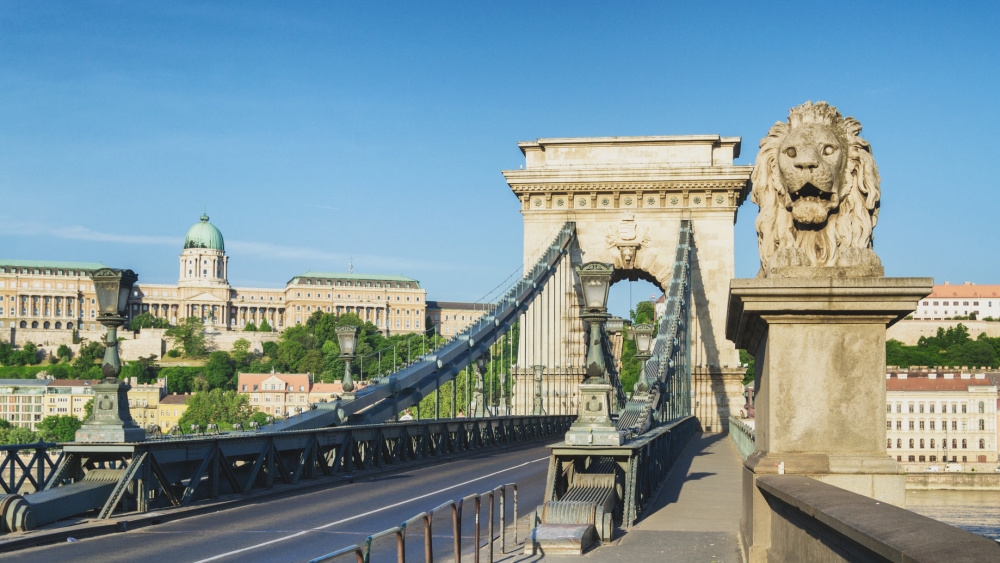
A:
<point x="250" y="379"/>
<point x="175" y="399"/>
<point x="937" y="384"/>
<point x="965" y="290"/>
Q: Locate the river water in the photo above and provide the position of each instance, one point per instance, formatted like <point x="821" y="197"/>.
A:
<point x="975" y="511"/>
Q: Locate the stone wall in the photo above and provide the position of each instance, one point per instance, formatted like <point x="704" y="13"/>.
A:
<point x="953" y="481"/>
<point x="909" y="332"/>
<point x="813" y="521"/>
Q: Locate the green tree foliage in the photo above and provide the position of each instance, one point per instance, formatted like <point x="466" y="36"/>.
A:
<point x="191" y="336"/>
<point x="220" y="371"/>
<point x="60" y="428"/>
<point x="241" y="353"/>
<point x="17" y="435"/>
<point x="746" y="358"/>
<point x="88" y="409"/>
<point x="64" y="353"/>
<point x="26" y="356"/>
<point x="147" y="320"/>
<point x="85" y="363"/>
<point x="217" y="406"/>
<point x="270" y="349"/>
<point x="250" y="327"/>
<point x="264" y="326"/>
<point x="142" y="369"/>
<point x="950" y="347"/>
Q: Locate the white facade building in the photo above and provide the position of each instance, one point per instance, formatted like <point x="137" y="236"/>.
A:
<point x="937" y="417"/>
<point x="947" y="301"/>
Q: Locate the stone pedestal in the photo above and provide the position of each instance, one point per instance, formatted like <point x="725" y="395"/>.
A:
<point x="111" y="420"/>
<point x="593" y="426"/>
<point x="819" y="348"/>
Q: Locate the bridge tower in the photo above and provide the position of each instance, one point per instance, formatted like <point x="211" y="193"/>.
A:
<point x="628" y="196"/>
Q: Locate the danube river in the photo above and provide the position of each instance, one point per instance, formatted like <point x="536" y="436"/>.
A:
<point x="975" y="511"/>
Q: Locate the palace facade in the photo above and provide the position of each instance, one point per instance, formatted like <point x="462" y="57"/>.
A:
<point x="59" y="296"/>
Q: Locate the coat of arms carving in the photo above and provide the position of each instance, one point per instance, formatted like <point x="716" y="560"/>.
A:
<point x="628" y="238"/>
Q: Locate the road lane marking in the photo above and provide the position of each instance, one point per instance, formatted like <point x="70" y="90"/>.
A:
<point x="369" y="513"/>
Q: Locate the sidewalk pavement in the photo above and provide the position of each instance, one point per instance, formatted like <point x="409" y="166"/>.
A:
<point x="694" y="519"/>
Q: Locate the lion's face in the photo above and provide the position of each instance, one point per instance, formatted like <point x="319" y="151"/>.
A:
<point x="811" y="160"/>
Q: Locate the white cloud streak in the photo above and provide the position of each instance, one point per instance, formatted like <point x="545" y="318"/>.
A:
<point x="363" y="262"/>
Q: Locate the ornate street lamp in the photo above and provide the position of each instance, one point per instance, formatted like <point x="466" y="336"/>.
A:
<point x="538" y="408"/>
<point x="478" y="402"/>
<point x="110" y="420"/>
<point x="593" y="426"/>
<point x="595" y="277"/>
<point x="348" y="338"/>
<point x="643" y="335"/>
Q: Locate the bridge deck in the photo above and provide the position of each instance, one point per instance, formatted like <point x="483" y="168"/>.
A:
<point x="695" y="518"/>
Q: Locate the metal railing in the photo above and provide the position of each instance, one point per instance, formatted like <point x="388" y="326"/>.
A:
<point x="165" y="473"/>
<point x="15" y="473"/>
<point x="743" y="437"/>
<point x="363" y="553"/>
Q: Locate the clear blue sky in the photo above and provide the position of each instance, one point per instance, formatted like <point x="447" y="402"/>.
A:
<point x="319" y="131"/>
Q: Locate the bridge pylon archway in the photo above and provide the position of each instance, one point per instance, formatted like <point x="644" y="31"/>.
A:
<point x="627" y="196"/>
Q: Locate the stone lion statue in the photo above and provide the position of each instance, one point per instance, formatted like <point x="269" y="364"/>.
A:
<point x="818" y="190"/>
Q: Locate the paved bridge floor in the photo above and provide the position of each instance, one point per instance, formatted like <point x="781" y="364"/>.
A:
<point x="695" y="519"/>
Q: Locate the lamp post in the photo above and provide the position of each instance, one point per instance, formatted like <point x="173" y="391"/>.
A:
<point x="478" y="403"/>
<point x="110" y="420"/>
<point x="538" y="409"/>
<point x="593" y="426"/>
<point x="348" y="338"/>
<point x="595" y="277"/>
<point x="643" y="335"/>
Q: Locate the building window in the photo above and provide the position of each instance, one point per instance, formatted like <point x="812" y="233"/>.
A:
<point x="954" y="443"/>
<point x="982" y="424"/>
<point x="899" y="407"/>
<point x="932" y="410"/>
<point x="964" y="443"/>
<point x="888" y="443"/>
<point x="921" y="425"/>
<point x="964" y="408"/>
<point x="888" y="425"/>
<point x="911" y="443"/>
<point x="982" y="443"/>
<point x="954" y="425"/>
<point x="932" y="425"/>
<point x="899" y="425"/>
<point x="982" y="407"/>
<point x="899" y="442"/>
<point x="932" y="443"/>
<point x="888" y="408"/>
<point x="921" y="443"/>
<point x="921" y="408"/>
<point x="911" y="425"/>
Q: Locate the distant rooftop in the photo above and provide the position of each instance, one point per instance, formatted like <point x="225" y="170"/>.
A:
<point x="351" y="276"/>
<point x="52" y="265"/>
<point x="967" y="289"/>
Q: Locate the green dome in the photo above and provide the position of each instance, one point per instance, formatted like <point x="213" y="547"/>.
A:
<point x="204" y="235"/>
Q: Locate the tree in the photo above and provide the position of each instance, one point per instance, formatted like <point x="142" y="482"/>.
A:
<point x="645" y="312"/>
<point x="147" y="320"/>
<point x="289" y="354"/>
<point x="89" y="353"/>
<point x="224" y="408"/>
<point x="88" y="409"/>
<point x="61" y="428"/>
<point x="6" y="353"/>
<point x="241" y="352"/>
<point x="264" y="327"/>
<point x="746" y="358"/>
<point x="220" y="370"/>
<point x="143" y="369"/>
<point x="64" y="353"/>
<point x="17" y="435"/>
<point x="190" y="333"/>
<point x="250" y="327"/>
<point x="270" y="349"/>
<point x="311" y="362"/>
<point x="28" y="355"/>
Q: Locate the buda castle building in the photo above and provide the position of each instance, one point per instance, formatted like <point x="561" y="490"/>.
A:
<point x="59" y="296"/>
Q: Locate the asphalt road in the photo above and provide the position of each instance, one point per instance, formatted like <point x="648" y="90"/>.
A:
<point x="303" y="526"/>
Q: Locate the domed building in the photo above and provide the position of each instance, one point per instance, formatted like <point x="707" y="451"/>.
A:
<point x="56" y="298"/>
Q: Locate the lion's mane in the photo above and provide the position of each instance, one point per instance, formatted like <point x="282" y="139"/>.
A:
<point x="848" y="227"/>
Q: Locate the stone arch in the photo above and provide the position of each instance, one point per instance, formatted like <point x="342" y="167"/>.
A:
<point x="627" y="197"/>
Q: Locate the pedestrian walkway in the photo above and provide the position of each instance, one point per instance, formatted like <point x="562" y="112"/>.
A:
<point x="694" y="519"/>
